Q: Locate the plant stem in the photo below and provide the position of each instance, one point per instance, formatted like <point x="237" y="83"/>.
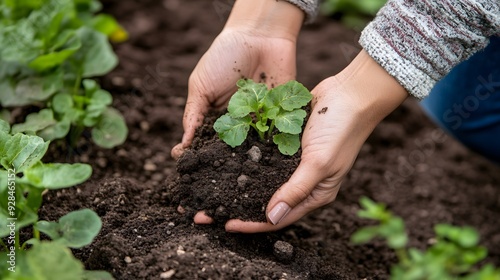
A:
<point x="271" y="128"/>
<point x="78" y="81"/>
<point x="36" y="233"/>
<point x="402" y="256"/>
<point x="74" y="134"/>
<point x="261" y="134"/>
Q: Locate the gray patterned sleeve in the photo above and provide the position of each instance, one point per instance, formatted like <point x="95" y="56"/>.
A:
<point x="310" y="8"/>
<point x="419" y="41"/>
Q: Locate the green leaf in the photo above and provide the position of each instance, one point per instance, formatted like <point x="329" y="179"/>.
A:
<point x="57" y="175"/>
<point x="50" y="260"/>
<point x="97" y="275"/>
<point x="24" y="214"/>
<point x="62" y="103"/>
<point x="97" y="104"/>
<point x="96" y="55"/>
<point x="35" y="122"/>
<point x="56" y="131"/>
<point x="4" y="126"/>
<point x="51" y="229"/>
<point x="231" y="130"/>
<point x="373" y="210"/>
<point x="288" y="144"/>
<point x="397" y="240"/>
<point x="79" y="228"/>
<point x="21" y="151"/>
<point x="30" y="90"/>
<point x="262" y="127"/>
<point x="364" y="235"/>
<point x="247" y="99"/>
<point x="5" y="114"/>
<point x="19" y="42"/>
<point x="111" y="130"/>
<point x="55" y="58"/>
<point x="289" y="96"/>
<point x="105" y="24"/>
<point x="468" y="238"/>
<point x="290" y="122"/>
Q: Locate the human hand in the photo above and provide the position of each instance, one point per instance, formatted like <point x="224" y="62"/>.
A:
<point x="258" y="42"/>
<point x="345" y="110"/>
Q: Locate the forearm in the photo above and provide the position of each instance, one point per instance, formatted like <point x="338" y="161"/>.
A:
<point x="419" y="42"/>
<point x="270" y="18"/>
<point x="371" y="91"/>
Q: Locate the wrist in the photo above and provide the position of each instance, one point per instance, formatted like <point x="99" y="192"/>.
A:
<point x="268" y="18"/>
<point x="372" y="88"/>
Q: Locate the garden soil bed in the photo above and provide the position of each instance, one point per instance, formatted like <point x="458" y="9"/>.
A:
<point x="407" y="163"/>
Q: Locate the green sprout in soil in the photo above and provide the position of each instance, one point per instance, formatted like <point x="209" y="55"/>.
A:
<point x="453" y="255"/>
<point x="23" y="180"/>
<point x="274" y="113"/>
<point x="49" y="52"/>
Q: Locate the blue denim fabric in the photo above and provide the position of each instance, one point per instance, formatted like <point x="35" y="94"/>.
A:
<point x="466" y="103"/>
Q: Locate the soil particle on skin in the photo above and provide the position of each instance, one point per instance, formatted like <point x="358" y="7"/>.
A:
<point x="323" y="110"/>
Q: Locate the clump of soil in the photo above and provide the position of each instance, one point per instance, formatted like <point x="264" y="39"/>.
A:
<point x="229" y="183"/>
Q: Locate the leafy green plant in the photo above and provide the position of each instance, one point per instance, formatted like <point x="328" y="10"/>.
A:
<point x="454" y="254"/>
<point x="354" y="13"/>
<point x="21" y="198"/>
<point x="253" y="105"/>
<point x="49" y="50"/>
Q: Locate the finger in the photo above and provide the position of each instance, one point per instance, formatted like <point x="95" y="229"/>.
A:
<point x="177" y="151"/>
<point x="309" y="204"/>
<point x="202" y="219"/>
<point x="292" y="193"/>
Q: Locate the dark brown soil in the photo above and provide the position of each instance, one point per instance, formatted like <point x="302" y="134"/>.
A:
<point x="407" y="163"/>
<point x="230" y="183"/>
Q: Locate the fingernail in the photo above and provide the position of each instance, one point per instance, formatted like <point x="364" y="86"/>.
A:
<point x="278" y="213"/>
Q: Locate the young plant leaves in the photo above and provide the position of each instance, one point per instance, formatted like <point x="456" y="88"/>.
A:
<point x="231" y="130"/>
<point x="75" y="229"/>
<point x="56" y="175"/>
<point x="21" y="151"/>
<point x="253" y="105"/>
<point x="96" y="55"/>
<point x="36" y="122"/>
<point x="247" y="99"/>
<point x="288" y="144"/>
<point x="291" y="122"/>
<point x="111" y="129"/>
<point x="289" y="96"/>
<point x="52" y="261"/>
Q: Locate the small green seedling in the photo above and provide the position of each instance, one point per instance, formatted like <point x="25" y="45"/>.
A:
<point x="23" y="179"/>
<point x="454" y="254"/>
<point x="254" y="105"/>
<point x="49" y="52"/>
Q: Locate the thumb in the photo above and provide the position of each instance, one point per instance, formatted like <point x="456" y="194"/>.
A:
<point x="303" y="181"/>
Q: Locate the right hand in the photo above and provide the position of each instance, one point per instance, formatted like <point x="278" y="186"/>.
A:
<point x="254" y="49"/>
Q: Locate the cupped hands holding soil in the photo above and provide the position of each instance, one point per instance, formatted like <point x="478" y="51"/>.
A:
<point x="229" y="183"/>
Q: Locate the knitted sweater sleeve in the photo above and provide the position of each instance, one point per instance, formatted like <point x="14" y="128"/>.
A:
<point x="310" y="8"/>
<point x="419" y="41"/>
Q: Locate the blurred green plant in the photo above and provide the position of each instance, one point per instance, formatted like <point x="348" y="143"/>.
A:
<point x="353" y="13"/>
<point x="49" y="50"/>
<point x="23" y="179"/>
<point x="454" y="254"/>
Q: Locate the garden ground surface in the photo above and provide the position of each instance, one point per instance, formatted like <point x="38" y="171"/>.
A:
<point x="407" y="163"/>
